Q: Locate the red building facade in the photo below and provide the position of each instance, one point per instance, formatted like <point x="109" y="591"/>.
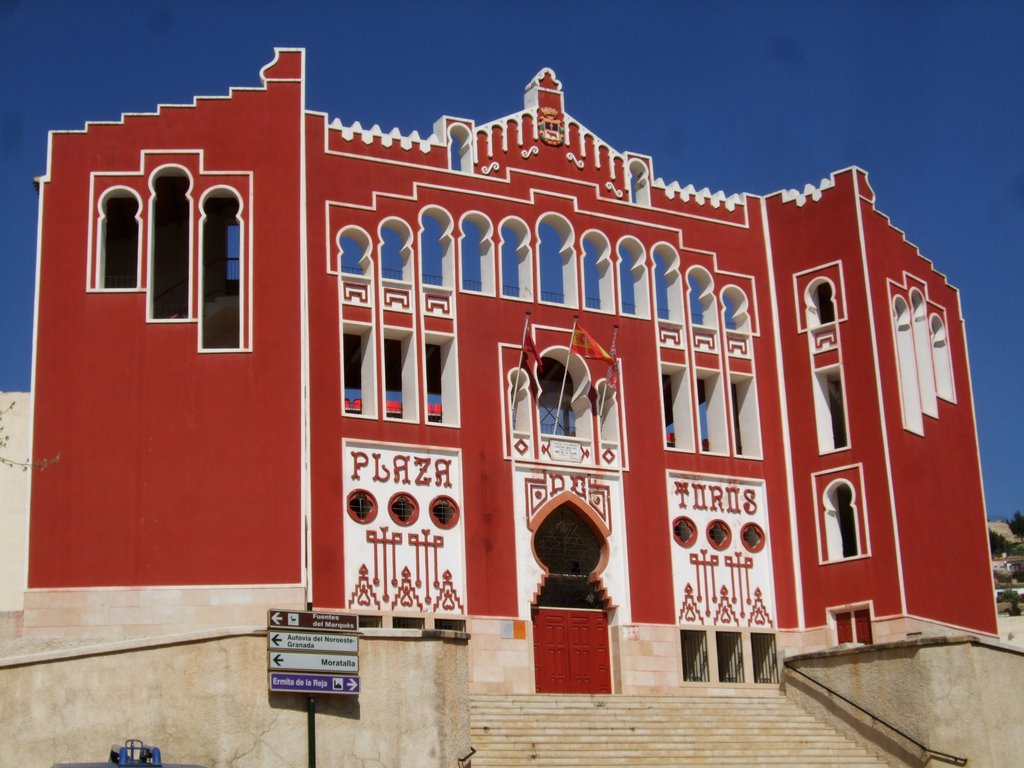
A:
<point x="630" y="435"/>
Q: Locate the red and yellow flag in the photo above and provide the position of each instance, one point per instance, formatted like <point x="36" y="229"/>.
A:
<point x="583" y="344"/>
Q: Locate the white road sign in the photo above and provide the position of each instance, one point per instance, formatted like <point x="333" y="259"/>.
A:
<point x="312" y="641"/>
<point x="312" y="662"/>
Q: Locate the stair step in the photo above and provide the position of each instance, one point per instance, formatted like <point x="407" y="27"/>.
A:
<point x="550" y="731"/>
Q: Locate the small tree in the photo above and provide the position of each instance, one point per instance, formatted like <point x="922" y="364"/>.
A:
<point x="27" y="463"/>
<point x="997" y="544"/>
<point x="1017" y="524"/>
<point x="1010" y="596"/>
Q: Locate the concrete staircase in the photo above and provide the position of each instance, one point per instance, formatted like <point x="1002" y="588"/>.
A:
<point x="546" y="730"/>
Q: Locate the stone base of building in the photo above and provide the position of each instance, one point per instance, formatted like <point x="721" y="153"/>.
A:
<point x="151" y="611"/>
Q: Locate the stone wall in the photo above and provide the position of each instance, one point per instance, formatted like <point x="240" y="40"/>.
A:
<point x="959" y="695"/>
<point x="203" y="698"/>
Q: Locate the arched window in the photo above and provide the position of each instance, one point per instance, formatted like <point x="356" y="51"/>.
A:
<point x="554" y="405"/>
<point x="570" y="551"/>
<point x="460" y="148"/>
<point x="119" y="240"/>
<point x="633" y="290"/>
<point x="437" y="247"/>
<point x="701" y="298"/>
<point x="735" y="313"/>
<point x="521" y="402"/>
<point x="819" y="300"/>
<point x="395" y="250"/>
<point x="597" y="272"/>
<point x="910" y="394"/>
<point x="170" y="235"/>
<point x="556" y="258"/>
<point x="222" y="271"/>
<point x="842" y="536"/>
<point x="477" y="253"/>
<point x="607" y="412"/>
<point x="923" y="354"/>
<point x="354" y="252"/>
<point x="564" y="403"/>
<point x="941" y="361"/>
<point x="668" y="283"/>
<point x="516" y="264"/>
<point x="639" y="183"/>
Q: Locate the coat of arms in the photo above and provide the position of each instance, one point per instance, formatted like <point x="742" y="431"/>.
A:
<point x="551" y="126"/>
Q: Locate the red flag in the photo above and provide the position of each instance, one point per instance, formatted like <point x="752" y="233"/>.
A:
<point x="583" y="344"/>
<point x="530" y="351"/>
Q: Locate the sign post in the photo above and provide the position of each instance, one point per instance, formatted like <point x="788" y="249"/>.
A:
<point x="312" y="652"/>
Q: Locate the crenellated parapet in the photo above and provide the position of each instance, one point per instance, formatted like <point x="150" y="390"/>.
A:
<point x="810" y="192"/>
<point x="701" y="197"/>
<point x="375" y="135"/>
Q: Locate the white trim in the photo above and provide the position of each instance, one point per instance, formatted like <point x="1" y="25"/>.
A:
<point x="305" y="492"/>
<point x="787" y="445"/>
<point x="857" y="199"/>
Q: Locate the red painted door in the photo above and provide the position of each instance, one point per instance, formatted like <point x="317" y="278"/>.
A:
<point x="862" y="621"/>
<point x="570" y="651"/>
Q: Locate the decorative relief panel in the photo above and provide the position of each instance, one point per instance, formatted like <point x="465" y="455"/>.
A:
<point x="825" y="339"/>
<point x="404" y="542"/>
<point x="705" y="340"/>
<point x="398" y="299"/>
<point x="353" y="292"/>
<point x="596" y="496"/>
<point x="671" y="336"/>
<point x="721" y="566"/>
<point x="437" y="304"/>
<point x="548" y="484"/>
<point x="737" y="345"/>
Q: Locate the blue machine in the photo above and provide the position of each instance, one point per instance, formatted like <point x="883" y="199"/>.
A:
<point x="132" y="753"/>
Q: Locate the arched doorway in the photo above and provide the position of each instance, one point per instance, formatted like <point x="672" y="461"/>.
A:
<point x="570" y="629"/>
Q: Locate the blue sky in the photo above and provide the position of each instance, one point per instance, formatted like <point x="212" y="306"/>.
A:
<point x="737" y="96"/>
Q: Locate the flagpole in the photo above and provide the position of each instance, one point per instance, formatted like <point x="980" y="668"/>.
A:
<point x="522" y="354"/>
<point x="600" y="405"/>
<point x="565" y="372"/>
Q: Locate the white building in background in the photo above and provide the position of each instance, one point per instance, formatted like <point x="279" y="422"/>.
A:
<point x="15" y="443"/>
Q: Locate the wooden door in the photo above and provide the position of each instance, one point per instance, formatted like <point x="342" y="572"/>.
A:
<point x="570" y="651"/>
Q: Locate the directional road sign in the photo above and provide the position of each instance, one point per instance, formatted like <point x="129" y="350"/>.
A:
<point x="291" y="681"/>
<point x="312" y="641"/>
<point x="337" y="622"/>
<point x="312" y="662"/>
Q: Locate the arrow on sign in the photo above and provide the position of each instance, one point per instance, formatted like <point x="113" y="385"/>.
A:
<point x="278" y="659"/>
<point x="276" y="639"/>
<point x="276" y="618"/>
<point x="345" y="684"/>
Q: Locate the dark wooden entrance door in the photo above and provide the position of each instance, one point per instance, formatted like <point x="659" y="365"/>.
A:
<point x="570" y="651"/>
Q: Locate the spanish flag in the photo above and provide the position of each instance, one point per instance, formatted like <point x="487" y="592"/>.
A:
<point x="583" y="344"/>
